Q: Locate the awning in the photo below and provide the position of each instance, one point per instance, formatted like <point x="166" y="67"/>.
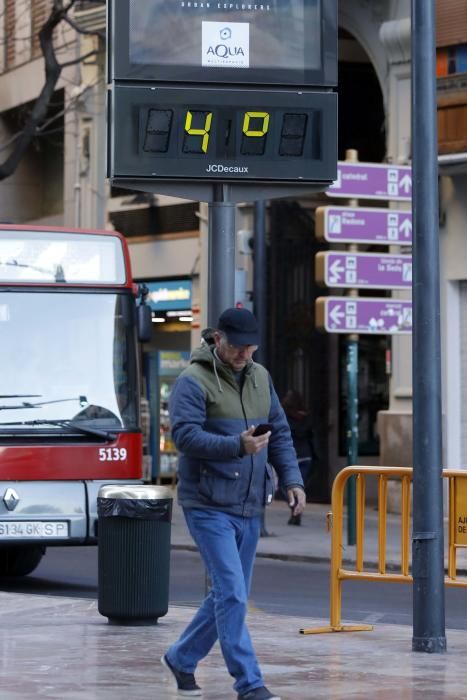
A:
<point x="453" y="164"/>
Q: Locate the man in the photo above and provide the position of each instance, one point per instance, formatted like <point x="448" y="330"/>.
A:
<point x="224" y="482"/>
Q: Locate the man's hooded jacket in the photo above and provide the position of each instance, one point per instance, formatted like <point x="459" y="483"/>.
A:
<point x="208" y="411"/>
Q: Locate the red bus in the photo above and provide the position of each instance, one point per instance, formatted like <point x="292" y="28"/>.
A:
<point x="69" y="385"/>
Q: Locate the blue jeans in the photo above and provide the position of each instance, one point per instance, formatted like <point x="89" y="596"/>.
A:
<point x="227" y="544"/>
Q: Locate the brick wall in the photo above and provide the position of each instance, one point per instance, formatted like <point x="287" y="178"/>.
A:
<point x="40" y="11"/>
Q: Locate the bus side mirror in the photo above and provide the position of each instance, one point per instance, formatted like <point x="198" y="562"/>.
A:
<point x="144" y="317"/>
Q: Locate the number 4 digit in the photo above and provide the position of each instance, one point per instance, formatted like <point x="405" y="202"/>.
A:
<point x="204" y="131"/>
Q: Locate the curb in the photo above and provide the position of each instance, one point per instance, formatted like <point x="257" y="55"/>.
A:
<point x="310" y="559"/>
<point x="300" y="558"/>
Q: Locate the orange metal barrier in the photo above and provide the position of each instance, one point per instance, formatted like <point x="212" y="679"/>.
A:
<point x="457" y="534"/>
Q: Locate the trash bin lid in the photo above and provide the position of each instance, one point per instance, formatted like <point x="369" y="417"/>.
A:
<point x="147" y="492"/>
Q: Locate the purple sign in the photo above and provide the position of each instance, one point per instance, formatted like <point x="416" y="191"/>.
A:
<point x="364" y="315"/>
<point x="359" y="225"/>
<point x="364" y="270"/>
<point x="372" y="181"/>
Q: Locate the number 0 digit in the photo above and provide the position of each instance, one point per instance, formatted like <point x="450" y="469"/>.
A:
<point x="255" y="115"/>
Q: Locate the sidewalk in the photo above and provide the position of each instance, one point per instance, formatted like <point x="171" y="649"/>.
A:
<point x="62" y="649"/>
<point x="312" y="542"/>
<point x="58" y="648"/>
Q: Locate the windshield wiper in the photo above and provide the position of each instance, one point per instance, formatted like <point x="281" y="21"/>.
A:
<point x="27" y="404"/>
<point x="65" y="423"/>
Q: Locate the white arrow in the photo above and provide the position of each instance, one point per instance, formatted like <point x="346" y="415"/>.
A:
<point x="335" y="272"/>
<point x="406" y="228"/>
<point x="406" y="183"/>
<point x="407" y="272"/>
<point x="335" y="315"/>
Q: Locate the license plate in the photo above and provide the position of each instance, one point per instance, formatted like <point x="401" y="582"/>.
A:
<point x="32" y="529"/>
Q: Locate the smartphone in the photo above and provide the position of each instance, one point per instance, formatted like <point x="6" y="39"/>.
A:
<point x="262" y="428"/>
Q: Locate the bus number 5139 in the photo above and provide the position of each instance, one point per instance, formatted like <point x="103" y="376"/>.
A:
<point x="112" y="454"/>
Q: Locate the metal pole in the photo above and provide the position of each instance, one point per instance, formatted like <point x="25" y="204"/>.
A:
<point x="427" y="540"/>
<point x="351" y="349"/>
<point x="221" y="255"/>
<point x="221" y="266"/>
<point x="259" y="279"/>
<point x="352" y="432"/>
<point x="259" y="297"/>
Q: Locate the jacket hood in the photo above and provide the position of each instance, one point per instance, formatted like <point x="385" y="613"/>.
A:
<point x="205" y="352"/>
<point x="204" y="355"/>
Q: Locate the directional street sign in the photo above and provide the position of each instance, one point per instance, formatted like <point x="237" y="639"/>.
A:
<point x="363" y="315"/>
<point x="360" y="225"/>
<point x="372" y="181"/>
<point x="359" y="270"/>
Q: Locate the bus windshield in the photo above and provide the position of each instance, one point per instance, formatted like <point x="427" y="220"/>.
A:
<point x="67" y="356"/>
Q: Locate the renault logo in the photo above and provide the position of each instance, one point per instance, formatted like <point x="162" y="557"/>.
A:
<point x="10" y="499"/>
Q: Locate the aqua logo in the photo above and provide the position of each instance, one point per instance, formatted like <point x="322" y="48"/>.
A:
<point x="224" y="51"/>
<point x="226" y="44"/>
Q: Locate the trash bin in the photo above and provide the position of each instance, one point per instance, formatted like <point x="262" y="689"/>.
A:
<point x="134" y="525"/>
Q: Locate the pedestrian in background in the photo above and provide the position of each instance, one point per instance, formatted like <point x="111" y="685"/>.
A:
<point x="225" y="480"/>
<point x="299" y="419"/>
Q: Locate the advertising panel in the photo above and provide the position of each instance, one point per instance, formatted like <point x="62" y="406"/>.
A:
<point x="169" y="295"/>
<point x="271" y="42"/>
<point x="225" y="34"/>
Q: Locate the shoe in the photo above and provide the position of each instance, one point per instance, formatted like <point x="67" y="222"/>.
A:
<point x="186" y="684"/>
<point x="258" y="694"/>
<point x="294" y="520"/>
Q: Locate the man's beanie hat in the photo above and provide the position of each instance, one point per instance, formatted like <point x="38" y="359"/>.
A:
<point x="240" y="326"/>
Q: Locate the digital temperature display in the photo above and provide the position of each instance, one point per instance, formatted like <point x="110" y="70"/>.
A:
<point x="272" y="135"/>
<point x="201" y="136"/>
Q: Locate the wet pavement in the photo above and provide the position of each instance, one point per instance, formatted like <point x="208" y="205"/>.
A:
<point x="62" y="649"/>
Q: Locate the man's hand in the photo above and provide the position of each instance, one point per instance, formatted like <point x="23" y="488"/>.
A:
<point x="252" y="445"/>
<point x="297" y="499"/>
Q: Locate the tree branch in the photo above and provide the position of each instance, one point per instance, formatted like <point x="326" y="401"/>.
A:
<point x="80" y="30"/>
<point x="80" y="59"/>
<point x="53" y="69"/>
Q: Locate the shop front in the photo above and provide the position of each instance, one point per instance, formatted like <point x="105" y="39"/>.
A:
<point x="164" y="357"/>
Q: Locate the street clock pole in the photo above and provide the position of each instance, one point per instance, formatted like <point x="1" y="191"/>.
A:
<point x="222" y="103"/>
